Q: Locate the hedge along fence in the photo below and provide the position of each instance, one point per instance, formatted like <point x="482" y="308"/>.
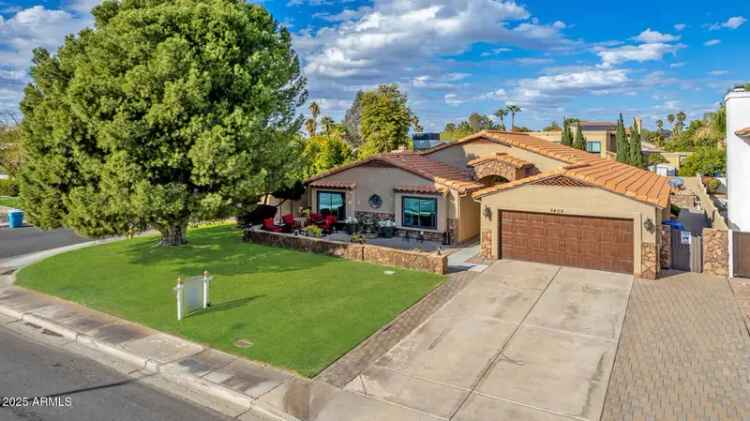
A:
<point x="407" y="259"/>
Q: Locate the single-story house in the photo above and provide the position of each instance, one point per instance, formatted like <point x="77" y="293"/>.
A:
<point x="525" y="198"/>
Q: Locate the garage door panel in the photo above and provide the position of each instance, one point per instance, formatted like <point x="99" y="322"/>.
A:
<point x="579" y="241"/>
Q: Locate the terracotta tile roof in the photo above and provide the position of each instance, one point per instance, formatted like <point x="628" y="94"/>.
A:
<point x="609" y="175"/>
<point x="525" y="141"/>
<point x="743" y="132"/>
<point x="423" y="189"/>
<point x="502" y="157"/>
<point x="334" y="185"/>
<point x="415" y="163"/>
<point x="562" y="181"/>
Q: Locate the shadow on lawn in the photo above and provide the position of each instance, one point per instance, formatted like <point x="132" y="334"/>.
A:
<point x="221" y="251"/>
<point x="228" y="305"/>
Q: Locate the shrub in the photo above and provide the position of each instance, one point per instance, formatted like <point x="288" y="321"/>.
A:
<point x="713" y="185"/>
<point x="314" y="231"/>
<point x="8" y="187"/>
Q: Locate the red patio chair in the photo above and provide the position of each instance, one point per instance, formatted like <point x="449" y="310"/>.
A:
<point x="328" y="223"/>
<point x="315" y="218"/>
<point x="268" y="225"/>
<point x="289" y="223"/>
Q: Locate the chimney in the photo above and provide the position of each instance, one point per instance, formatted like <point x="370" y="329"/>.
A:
<point x="738" y="155"/>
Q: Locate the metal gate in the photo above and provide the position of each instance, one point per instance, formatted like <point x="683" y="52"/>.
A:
<point x="687" y="251"/>
<point x="741" y="253"/>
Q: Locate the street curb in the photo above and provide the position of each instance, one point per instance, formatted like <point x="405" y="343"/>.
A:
<point x="190" y="382"/>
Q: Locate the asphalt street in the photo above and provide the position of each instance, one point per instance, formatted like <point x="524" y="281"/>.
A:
<point x="19" y="241"/>
<point x="77" y="389"/>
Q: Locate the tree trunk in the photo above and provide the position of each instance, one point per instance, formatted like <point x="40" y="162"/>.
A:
<point x="174" y="235"/>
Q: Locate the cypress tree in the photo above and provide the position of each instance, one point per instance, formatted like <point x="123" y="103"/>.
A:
<point x="580" y="142"/>
<point x="636" y="158"/>
<point x="567" y="136"/>
<point x="623" y="150"/>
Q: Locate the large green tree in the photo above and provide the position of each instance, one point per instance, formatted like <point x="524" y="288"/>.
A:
<point x="706" y="161"/>
<point x="385" y="119"/>
<point x="326" y="151"/>
<point x="164" y="112"/>
<point x="11" y="148"/>
<point x="621" y="139"/>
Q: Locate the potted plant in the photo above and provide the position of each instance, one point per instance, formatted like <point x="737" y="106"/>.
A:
<point x="350" y="225"/>
<point x="387" y="228"/>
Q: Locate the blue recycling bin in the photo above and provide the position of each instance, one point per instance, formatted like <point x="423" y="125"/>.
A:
<point x="15" y="219"/>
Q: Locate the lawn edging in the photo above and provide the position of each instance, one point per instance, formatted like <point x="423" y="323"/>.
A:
<point x="407" y="259"/>
<point x="149" y="364"/>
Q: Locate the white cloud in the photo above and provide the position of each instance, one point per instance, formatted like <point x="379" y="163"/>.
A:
<point x="732" y="23"/>
<point x="533" y="61"/>
<point x="638" y="53"/>
<point x="680" y="27"/>
<point x="712" y="42"/>
<point x="82" y="6"/>
<point x="398" y="34"/>
<point x="649" y="36"/>
<point x="677" y="65"/>
<point x="717" y="72"/>
<point x="25" y="30"/>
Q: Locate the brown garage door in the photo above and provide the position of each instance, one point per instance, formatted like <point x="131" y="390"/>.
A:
<point x="580" y="241"/>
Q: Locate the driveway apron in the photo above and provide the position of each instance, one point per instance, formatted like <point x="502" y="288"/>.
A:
<point x="522" y="341"/>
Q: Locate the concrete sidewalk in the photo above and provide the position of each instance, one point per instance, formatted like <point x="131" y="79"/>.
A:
<point x="265" y="391"/>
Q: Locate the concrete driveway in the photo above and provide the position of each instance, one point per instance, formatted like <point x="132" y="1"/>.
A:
<point x="522" y="341"/>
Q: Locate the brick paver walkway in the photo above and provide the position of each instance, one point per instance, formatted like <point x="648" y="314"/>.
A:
<point x="356" y="361"/>
<point x="684" y="353"/>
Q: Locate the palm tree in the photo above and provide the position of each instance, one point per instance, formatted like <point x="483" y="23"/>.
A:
<point x="513" y="109"/>
<point x="500" y="114"/>
<point x="314" y="109"/>
<point x="311" y="126"/>
<point x="681" y="117"/>
<point x="670" y="119"/>
<point x="327" y="123"/>
<point x="660" y="125"/>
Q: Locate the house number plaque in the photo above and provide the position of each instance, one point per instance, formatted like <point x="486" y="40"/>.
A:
<point x="557" y="211"/>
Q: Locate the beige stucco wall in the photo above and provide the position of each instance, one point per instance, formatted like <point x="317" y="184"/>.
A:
<point x="582" y="201"/>
<point x="468" y="219"/>
<point x="442" y="206"/>
<point x="373" y="180"/>
<point x="459" y="155"/>
<point x="382" y="181"/>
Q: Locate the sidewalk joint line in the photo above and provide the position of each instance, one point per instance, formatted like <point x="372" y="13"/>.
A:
<point x="493" y="361"/>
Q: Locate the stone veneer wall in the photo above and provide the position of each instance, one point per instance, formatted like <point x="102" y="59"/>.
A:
<point x="716" y="252"/>
<point x="649" y="261"/>
<point x="485" y="244"/>
<point x="377" y="216"/>
<point x="425" y="262"/>
<point x="665" y="249"/>
<point x="686" y="201"/>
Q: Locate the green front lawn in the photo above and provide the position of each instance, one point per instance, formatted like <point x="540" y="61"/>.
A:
<point x="301" y="311"/>
<point x="11" y="202"/>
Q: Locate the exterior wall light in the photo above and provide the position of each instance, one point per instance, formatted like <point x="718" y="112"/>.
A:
<point x="648" y="225"/>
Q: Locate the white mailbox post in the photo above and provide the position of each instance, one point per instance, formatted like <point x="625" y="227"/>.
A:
<point x="192" y="294"/>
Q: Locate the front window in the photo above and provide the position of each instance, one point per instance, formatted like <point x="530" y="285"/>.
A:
<point x="419" y="212"/>
<point x="594" y="147"/>
<point x="332" y="203"/>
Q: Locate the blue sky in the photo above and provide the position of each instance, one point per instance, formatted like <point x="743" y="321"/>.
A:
<point x="588" y="59"/>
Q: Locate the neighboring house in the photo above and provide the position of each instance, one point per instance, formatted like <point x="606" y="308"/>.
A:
<point x="424" y="141"/>
<point x="525" y="197"/>
<point x="738" y="174"/>
<point x="600" y="137"/>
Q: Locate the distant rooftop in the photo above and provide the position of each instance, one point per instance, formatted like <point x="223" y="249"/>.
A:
<point x="597" y="125"/>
